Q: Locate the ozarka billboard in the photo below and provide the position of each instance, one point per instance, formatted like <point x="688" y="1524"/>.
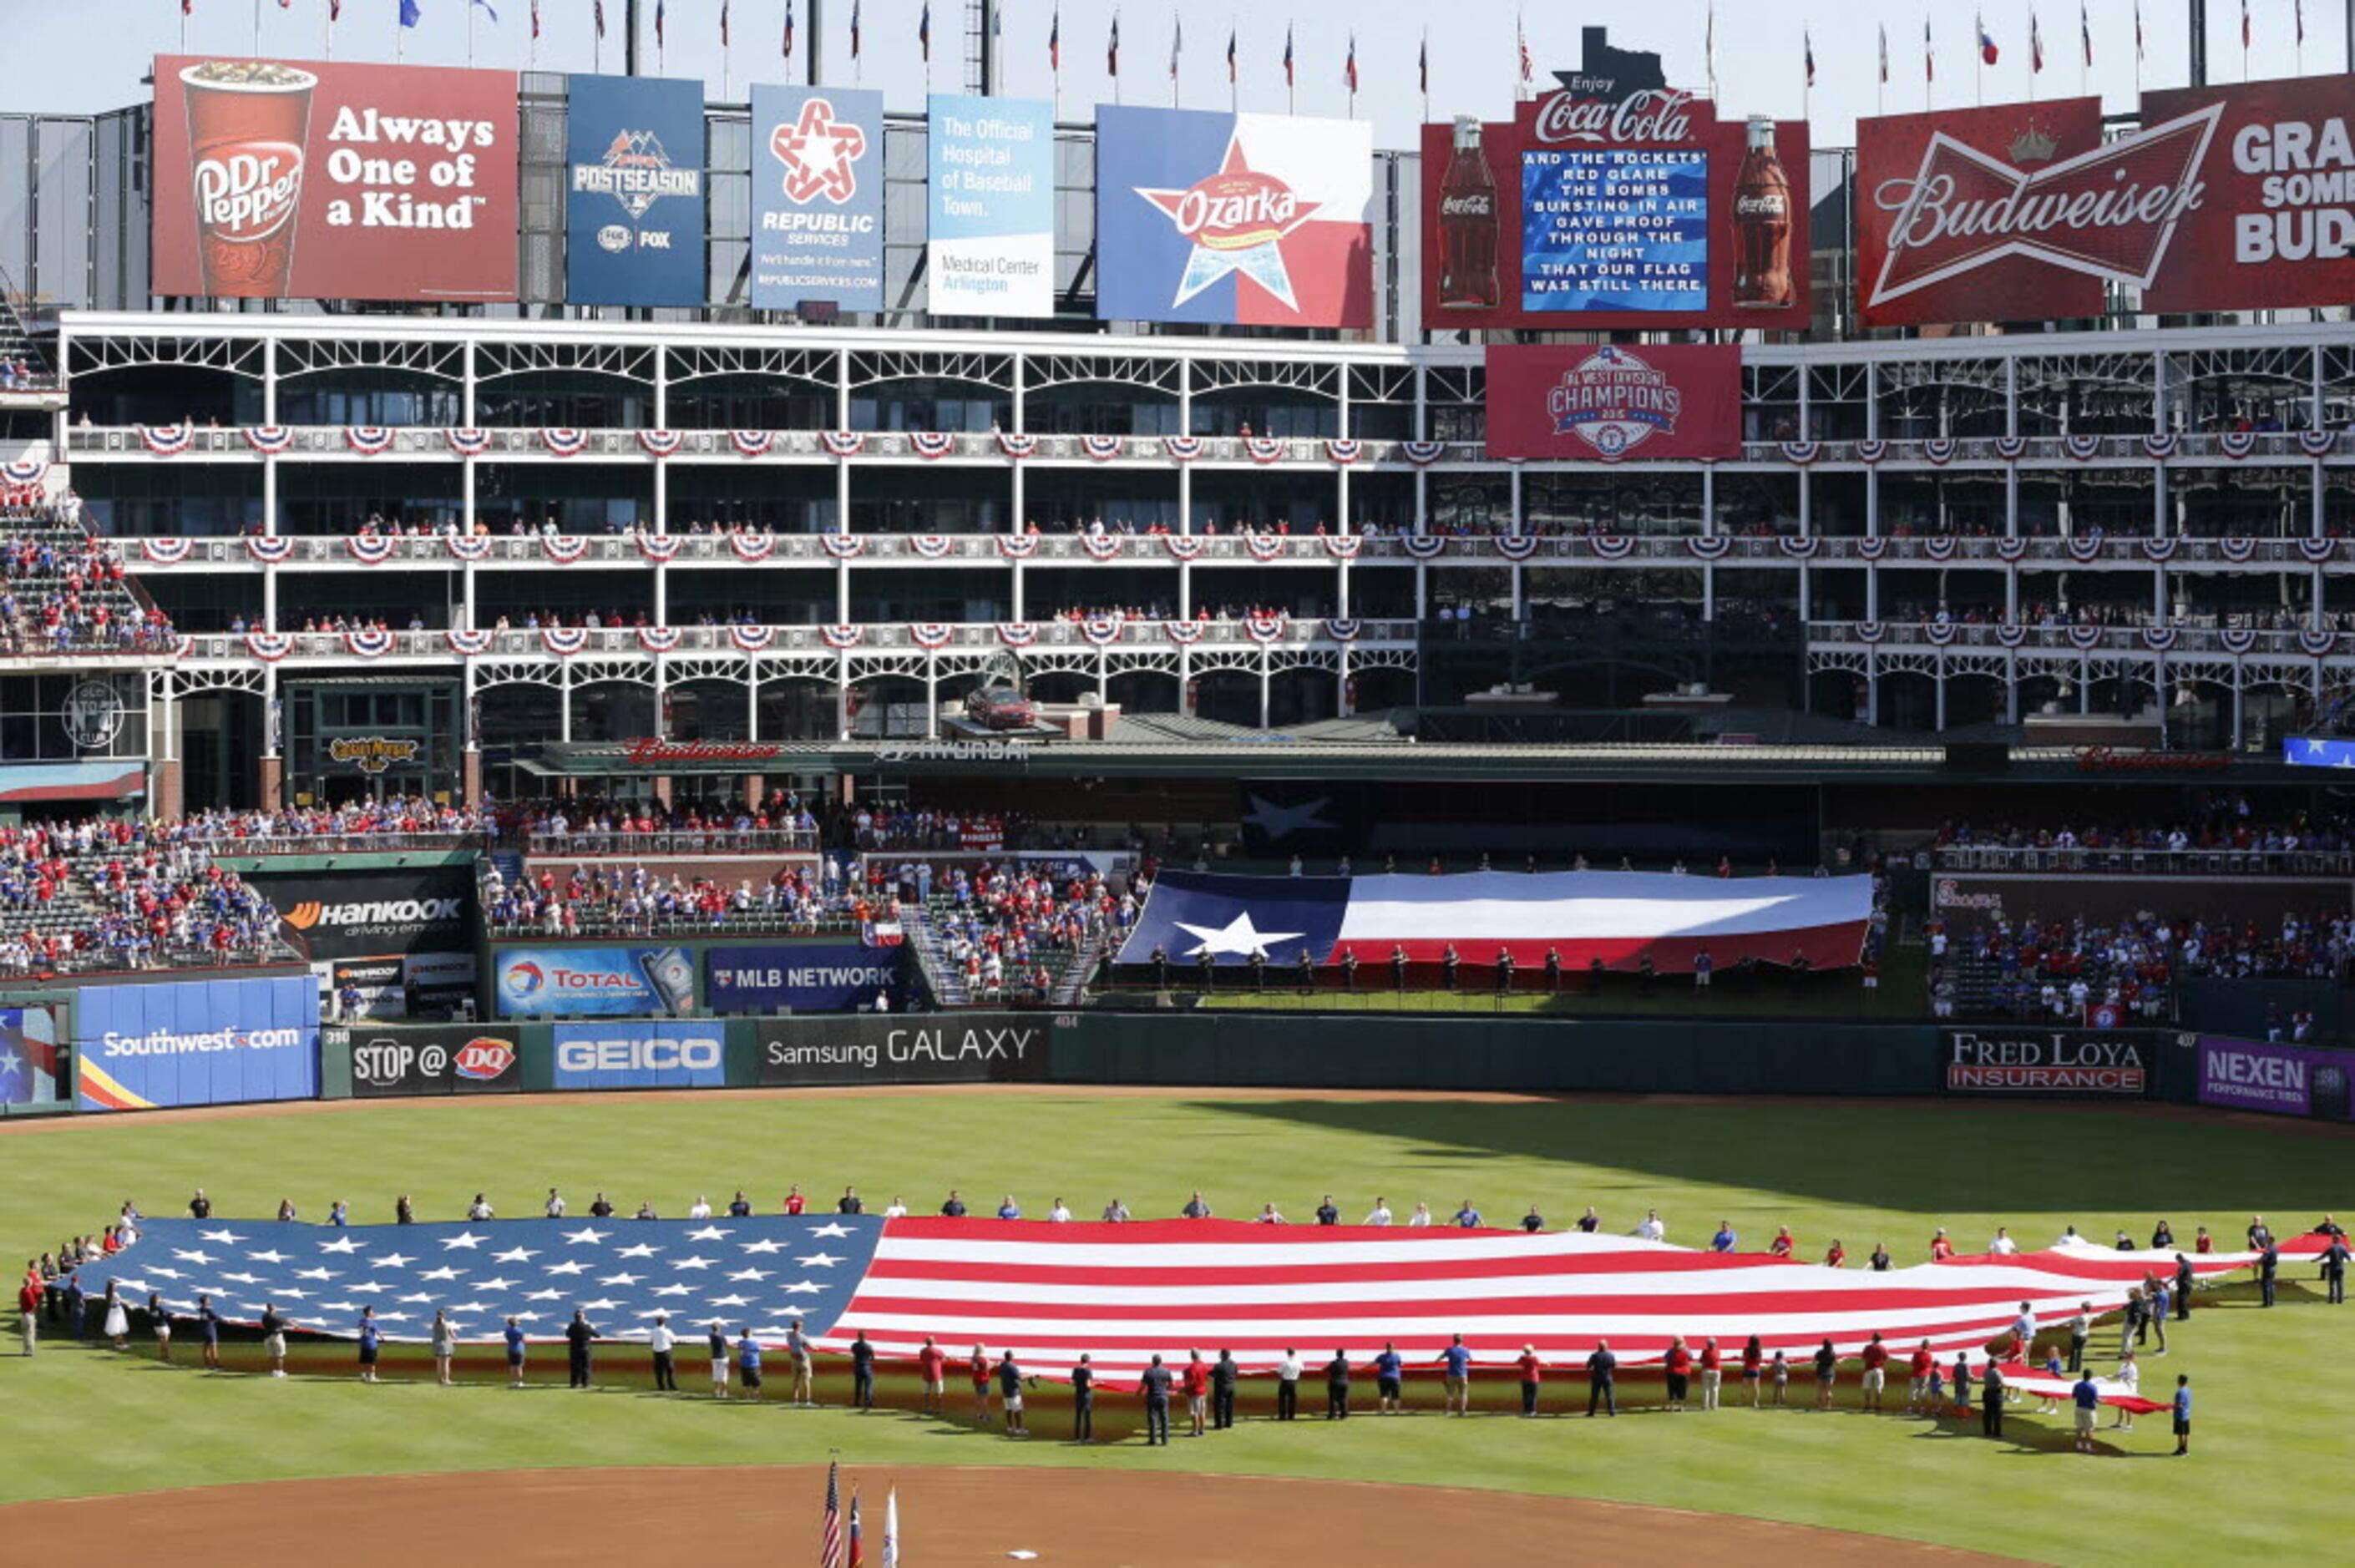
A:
<point x="1607" y="403"/>
<point x="633" y="199"/>
<point x="2226" y="198"/>
<point x="992" y="167"/>
<point x="1606" y="206"/>
<point x="1233" y="219"/>
<point x="277" y="180"/>
<point x="817" y="197"/>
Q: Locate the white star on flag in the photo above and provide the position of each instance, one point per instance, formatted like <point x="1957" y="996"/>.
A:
<point x="802" y="1287"/>
<point x="841" y="1231"/>
<point x="467" y="1239"/>
<point x="694" y="1262"/>
<point x="347" y="1244"/>
<point x="227" y="1238"/>
<point x="495" y="1284"/>
<point x="585" y="1237"/>
<point x="391" y="1260"/>
<point x="762" y="1247"/>
<point x="709" y="1232"/>
<point x="437" y="1274"/>
<point x="674" y="1289"/>
<point x="602" y="1304"/>
<point x="731" y="1300"/>
<point x="517" y="1254"/>
<point x="641" y="1250"/>
<point x="620" y="1278"/>
<point x="750" y="1274"/>
<point x="544" y="1296"/>
<point x="315" y="1273"/>
<point x="1238" y="935"/>
<point x="198" y="1256"/>
<point x="818" y="1260"/>
<point x="243" y="1278"/>
<point x="568" y="1269"/>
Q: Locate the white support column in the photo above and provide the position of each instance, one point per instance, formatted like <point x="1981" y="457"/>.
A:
<point x="842" y="422"/>
<point x="2239" y="734"/>
<point x="564" y="696"/>
<point x="1104" y="676"/>
<point x="2011" y="687"/>
<point x="270" y="596"/>
<point x="1018" y="613"/>
<point x="662" y="595"/>
<point x="842" y="495"/>
<point x="1514" y="475"/>
<point x="466" y="495"/>
<point x="466" y="620"/>
<point x="1342" y="410"/>
<point x="2317" y="490"/>
<point x="1342" y="589"/>
<point x="751" y="699"/>
<point x="2160" y="503"/>
<point x="269" y="380"/>
<point x="662" y="386"/>
<point x="1806" y="505"/>
<point x="842" y="697"/>
<point x="2011" y="501"/>
<point x="270" y="715"/>
<point x="1185" y="498"/>
<point x="2159" y="594"/>
<point x="932" y="696"/>
<point x="1708" y="591"/>
<point x="1872" y="590"/>
<point x="1939" y="722"/>
<point x="842" y="593"/>
<point x="1708" y="498"/>
<point x="1184" y="679"/>
<point x="1422" y="433"/>
<point x="466" y="384"/>
<point x="1871" y="689"/>
<point x="1019" y="494"/>
<point x="270" y="497"/>
<point x="1265" y="677"/>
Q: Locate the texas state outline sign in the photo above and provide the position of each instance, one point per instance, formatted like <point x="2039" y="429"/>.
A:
<point x="1233" y="219"/>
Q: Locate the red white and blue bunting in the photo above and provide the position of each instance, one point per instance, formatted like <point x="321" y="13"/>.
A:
<point x="165" y="552"/>
<point x="2158" y="449"/>
<point x="1184" y="449"/>
<point x="368" y="549"/>
<point x="931" y="547"/>
<point x="1426" y="547"/>
<point x="1611" y="546"/>
<point x="1266" y="448"/>
<point x="468" y="643"/>
<point x="1940" y="633"/>
<point x="563" y="548"/>
<point x="1345" y="629"/>
<point x="269" y="646"/>
<point x="1263" y="547"/>
<point x="1102" y="547"/>
<point x="931" y="635"/>
<point x="269" y="440"/>
<point x="2011" y="448"/>
<point x="2317" y="644"/>
<point x="840" y="636"/>
<point x="2317" y="443"/>
<point x="1185" y="633"/>
<point x="751" y="546"/>
<point x="269" y="551"/>
<point x="659" y="547"/>
<point x="752" y="638"/>
<point x="1102" y="630"/>
<point x="2318" y="551"/>
<point x="1343" y="546"/>
<point x="2083" y="448"/>
<point x="2236" y="444"/>
<point x="2010" y="636"/>
<point x="564" y="641"/>
<point x="1708" y="550"/>
<point x="1801" y="549"/>
<point x="658" y="639"/>
<point x="1871" y="451"/>
<point x="1265" y="628"/>
<point x="1182" y="547"/>
<point x="468" y="440"/>
<point x="2236" y="550"/>
<point x="2011" y="550"/>
<point x="1941" y="549"/>
<point x="2236" y="639"/>
<point x="2085" y="547"/>
<point x="369" y="641"/>
<point x="369" y="440"/>
<point x="932" y="444"/>
<point x="750" y="443"/>
<point x="1017" y="633"/>
<point x="1345" y="449"/>
<point x="1802" y="452"/>
<point x="468" y="546"/>
<point x="1422" y="453"/>
<point x="1516" y="546"/>
<point x="166" y="440"/>
<point x="1101" y="448"/>
<point x="1018" y="447"/>
<point x="660" y="443"/>
<point x="1940" y="449"/>
<point x="2158" y="552"/>
<point x="2085" y="638"/>
<point x="837" y="443"/>
<point x="1017" y="547"/>
<point x="564" y="442"/>
<point x="843" y="546"/>
<point x="23" y="474"/>
<point x="2158" y="639"/>
<point x="1870" y="631"/>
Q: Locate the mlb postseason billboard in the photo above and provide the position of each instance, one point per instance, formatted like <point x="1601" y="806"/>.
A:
<point x="634" y="200"/>
<point x="2288" y="1080"/>
<point x="817" y="197"/>
<point x="795" y="1053"/>
<point x="1610" y="404"/>
<point x="197" y="1042"/>
<point x="2225" y="198"/>
<point x="797" y="978"/>
<point x="992" y="178"/>
<point x="1233" y="219"/>
<point x="428" y="1060"/>
<point x="1614" y="203"/>
<point x="276" y="179"/>
<point x="608" y="982"/>
<point x="639" y="1056"/>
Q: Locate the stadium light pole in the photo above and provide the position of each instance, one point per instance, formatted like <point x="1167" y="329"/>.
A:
<point x="816" y="42"/>
<point x="2199" y="10"/>
<point x="629" y="38"/>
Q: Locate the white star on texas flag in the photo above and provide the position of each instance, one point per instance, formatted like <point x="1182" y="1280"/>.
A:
<point x="1238" y="935"/>
<point x="1261" y="262"/>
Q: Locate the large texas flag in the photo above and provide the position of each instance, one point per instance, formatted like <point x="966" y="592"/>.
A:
<point x="1618" y="916"/>
<point x="1233" y="219"/>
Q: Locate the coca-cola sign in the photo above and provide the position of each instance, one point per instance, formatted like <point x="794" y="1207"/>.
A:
<point x="1653" y="117"/>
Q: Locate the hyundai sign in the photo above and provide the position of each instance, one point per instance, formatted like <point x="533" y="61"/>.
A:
<point x="780" y="979"/>
<point x="197" y="1042"/>
<point x="624" y="1056"/>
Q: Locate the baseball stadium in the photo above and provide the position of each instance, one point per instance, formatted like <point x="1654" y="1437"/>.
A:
<point x="1586" y="811"/>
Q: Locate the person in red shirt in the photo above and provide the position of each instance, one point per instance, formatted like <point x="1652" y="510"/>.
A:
<point x="1754" y="1361"/>
<point x="1941" y="1249"/>
<point x="2203" y="1244"/>
<point x="1781" y="1244"/>
<point x="29" y="1310"/>
<point x="979" y="1371"/>
<point x="1712" y="1372"/>
<point x="934" y="1363"/>
<point x="794" y="1202"/>
<point x="1837" y="1256"/>
<point x="1198" y="1391"/>
<point x="1532" y="1374"/>
<point x="1917" y="1397"/>
<point x="1680" y="1370"/>
<point x="1876" y="1374"/>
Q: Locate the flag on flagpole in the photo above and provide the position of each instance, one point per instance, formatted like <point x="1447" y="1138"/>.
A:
<point x="662" y="16"/>
<point x="1521" y="43"/>
<point x="857" y="27"/>
<point x="600" y="18"/>
<point x="1884" y="53"/>
<point x="409" y="13"/>
<point x="1808" y="42"/>
<point x="1230" y="56"/>
<point x="2246" y="34"/>
<point x="786" y="49"/>
<point x="1111" y="48"/>
<point x="2301" y="22"/>
<point x="188" y="7"/>
<point x="829" y="1545"/>
<point x="892" y="1528"/>
<point x="723" y="24"/>
<point x="2138" y="49"/>
<point x="1349" y="67"/>
<point x="857" y="1558"/>
<point x="1288" y="54"/>
<point x="2035" y="44"/>
<point x="534" y="21"/>
<point x="1709" y="50"/>
<point x="1929" y="54"/>
<point x="2085" y="33"/>
<point x="1055" y="42"/>
<point x="1988" y="53"/>
<point x="924" y="32"/>
<point x="1176" y="43"/>
<point x="1423" y="67"/>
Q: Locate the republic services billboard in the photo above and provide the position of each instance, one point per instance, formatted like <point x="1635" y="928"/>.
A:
<point x="634" y="200"/>
<point x="992" y="184"/>
<point x="1233" y="219"/>
<point x="817" y="197"/>
<point x="1607" y="403"/>
<point x="278" y="179"/>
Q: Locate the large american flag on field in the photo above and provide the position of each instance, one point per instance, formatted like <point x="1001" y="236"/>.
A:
<point x="1119" y="1293"/>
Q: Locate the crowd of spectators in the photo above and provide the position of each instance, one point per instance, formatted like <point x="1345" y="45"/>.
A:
<point x="2063" y="971"/>
<point x="102" y="894"/>
<point x="599" y="825"/>
<point x="392" y="817"/>
<point x="68" y="594"/>
<point x="603" y="900"/>
<point x="2218" y="832"/>
<point x="1006" y="926"/>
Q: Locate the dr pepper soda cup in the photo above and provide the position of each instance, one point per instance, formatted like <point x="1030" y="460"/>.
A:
<point x="248" y="124"/>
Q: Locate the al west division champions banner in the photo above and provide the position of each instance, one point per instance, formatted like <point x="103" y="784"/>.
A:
<point x="277" y="179"/>
<point x="633" y="199"/>
<point x="1233" y="219"/>
<point x="1608" y="403"/>
<point x="817" y="197"/>
<point x="2226" y="198"/>
<point x="992" y="179"/>
<point x="1604" y="206"/>
<point x="197" y="1042"/>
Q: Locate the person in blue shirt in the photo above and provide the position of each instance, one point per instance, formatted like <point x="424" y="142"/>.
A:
<point x="1724" y="1240"/>
<point x="1389" y="1380"/>
<point x="1455" y="1375"/>
<point x="719" y="1343"/>
<point x="2088" y="1400"/>
<point x="371" y="1338"/>
<point x="2182" y="1414"/>
<point x="1467" y="1218"/>
<point x="748" y="1363"/>
<point x="1009" y="1209"/>
<point x="340" y="1216"/>
<point x="514" y="1337"/>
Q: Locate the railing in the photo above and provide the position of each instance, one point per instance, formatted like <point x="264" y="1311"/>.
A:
<point x="332" y="842"/>
<point x="2203" y="446"/>
<point x="590" y="844"/>
<point x="602" y="923"/>
<point x="2145" y="862"/>
<point x="2171" y="639"/>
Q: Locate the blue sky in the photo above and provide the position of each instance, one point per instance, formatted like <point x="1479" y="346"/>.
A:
<point x="69" y="64"/>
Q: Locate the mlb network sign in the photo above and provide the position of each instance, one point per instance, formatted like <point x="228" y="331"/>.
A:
<point x="621" y="1055"/>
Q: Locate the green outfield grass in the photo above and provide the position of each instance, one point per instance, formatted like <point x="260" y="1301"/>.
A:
<point x="2273" y="1438"/>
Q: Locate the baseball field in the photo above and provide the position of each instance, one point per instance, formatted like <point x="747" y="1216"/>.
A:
<point x="2274" y="1436"/>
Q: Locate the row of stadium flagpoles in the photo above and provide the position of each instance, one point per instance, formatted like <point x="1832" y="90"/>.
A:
<point x="841" y="1547"/>
<point x="1987" y="51"/>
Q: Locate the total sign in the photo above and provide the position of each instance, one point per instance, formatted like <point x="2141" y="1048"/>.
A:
<point x="1233" y="219"/>
<point x="621" y="1055"/>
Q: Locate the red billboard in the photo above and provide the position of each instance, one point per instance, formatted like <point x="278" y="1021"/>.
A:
<point x="301" y="179"/>
<point x="1606" y="207"/>
<point x="2272" y="224"/>
<point x="1614" y="403"/>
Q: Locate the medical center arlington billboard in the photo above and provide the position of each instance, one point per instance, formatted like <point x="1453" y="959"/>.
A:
<point x="634" y="197"/>
<point x="992" y="182"/>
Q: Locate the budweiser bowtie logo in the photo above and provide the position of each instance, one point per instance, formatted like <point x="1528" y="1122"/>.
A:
<point x="2110" y="213"/>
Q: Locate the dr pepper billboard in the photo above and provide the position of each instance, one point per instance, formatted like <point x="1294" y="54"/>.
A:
<point x="1611" y="205"/>
<point x="278" y="179"/>
<point x="2224" y="198"/>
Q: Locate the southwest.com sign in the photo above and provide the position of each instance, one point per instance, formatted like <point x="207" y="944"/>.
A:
<point x="197" y="1042"/>
<point x="632" y="1055"/>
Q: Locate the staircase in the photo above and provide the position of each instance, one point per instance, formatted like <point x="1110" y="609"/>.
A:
<point x="942" y="976"/>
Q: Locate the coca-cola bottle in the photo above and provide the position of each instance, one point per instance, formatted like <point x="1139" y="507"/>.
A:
<point x="1468" y="226"/>
<point x="1762" y="224"/>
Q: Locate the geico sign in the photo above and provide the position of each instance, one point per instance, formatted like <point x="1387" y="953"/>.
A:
<point x="635" y="1054"/>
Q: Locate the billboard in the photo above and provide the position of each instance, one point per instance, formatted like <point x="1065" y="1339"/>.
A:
<point x="870" y="1050"/>
<point x="634" y="198"/>
<point x="992" y="177"/>
<point x="2288" y="1080"/>
<point x="817" y="197"/>
<point x="1233" y="219"/>
<point x="197" y="1042"/>
<point x="428" y="1060"/>
<point x="797" y="978"/>
<point x="29" y="1057"/>
<point x="1610" y="205"/>
<point x="1999" y="1059"/>
<point x="278" y="179"/>
<point x="606" y="982"/>
<point x="370" y="912"/>
<point x="1610" y="404"/>
<point x="639" y="1056"/>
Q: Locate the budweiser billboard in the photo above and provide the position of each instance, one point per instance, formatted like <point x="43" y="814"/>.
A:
<point x="1610" y="403"/>
<point x="2272" y="222"/>
<point x="277" y="179"/>
<point x="1612" y="205"/>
